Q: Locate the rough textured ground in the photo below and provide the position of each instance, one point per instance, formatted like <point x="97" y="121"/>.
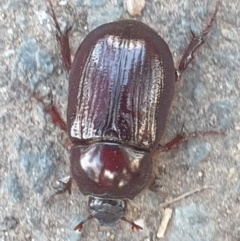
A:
<point x="32" y="150"/>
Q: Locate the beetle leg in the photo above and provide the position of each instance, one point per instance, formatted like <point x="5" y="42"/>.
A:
<point x="63" y="40"/>
<point x="49" y="109"/>
<point x="181" y="137"/>
<point x="135" y="227"/>
<point x="55" y="115"/>
<point x="52" y="111"/>
<point x="174" y="143"/>
<point x="195" y="43"/>
<point x="80" y="225"/>
<point x="66" y="187"/>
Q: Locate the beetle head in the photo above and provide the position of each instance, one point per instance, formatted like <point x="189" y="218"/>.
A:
<point x="107" y="211"/>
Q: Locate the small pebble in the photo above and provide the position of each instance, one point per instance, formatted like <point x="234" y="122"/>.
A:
<point x="135" y="7"/>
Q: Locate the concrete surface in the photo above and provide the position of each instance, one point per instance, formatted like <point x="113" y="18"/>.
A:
<point x="32" y="149"/>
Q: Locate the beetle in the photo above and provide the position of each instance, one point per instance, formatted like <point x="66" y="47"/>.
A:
<point x="121" y="85"/>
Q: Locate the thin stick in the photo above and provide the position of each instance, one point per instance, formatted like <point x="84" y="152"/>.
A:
<point x="168" y="202"/>
<point x="164" y="223"/>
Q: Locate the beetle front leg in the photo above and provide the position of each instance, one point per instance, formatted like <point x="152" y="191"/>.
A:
<point x="66" y="187"/>
<point x="63" y="40"/>
<point x="195" y="43"/>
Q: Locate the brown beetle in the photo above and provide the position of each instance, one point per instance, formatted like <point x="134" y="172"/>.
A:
<point x="121" y="86"/>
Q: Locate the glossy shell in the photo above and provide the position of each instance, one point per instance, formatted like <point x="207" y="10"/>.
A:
<point x="110" y="170"/>
<point x="121" y="86"/>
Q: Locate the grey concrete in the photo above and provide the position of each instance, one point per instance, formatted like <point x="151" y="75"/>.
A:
<point x="32" y="149"/>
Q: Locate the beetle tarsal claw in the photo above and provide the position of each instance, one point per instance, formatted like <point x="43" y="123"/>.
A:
<point x="80" y="225"/>
<point x="135" y="227"/>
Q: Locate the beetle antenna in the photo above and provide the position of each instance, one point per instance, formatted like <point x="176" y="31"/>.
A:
<point x="80" y="225"/>
<point x="135" y="227"/>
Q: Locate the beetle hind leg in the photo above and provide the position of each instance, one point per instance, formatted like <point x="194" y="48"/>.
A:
<point x="63" y="40"/>
<point x="195" y="43"/>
